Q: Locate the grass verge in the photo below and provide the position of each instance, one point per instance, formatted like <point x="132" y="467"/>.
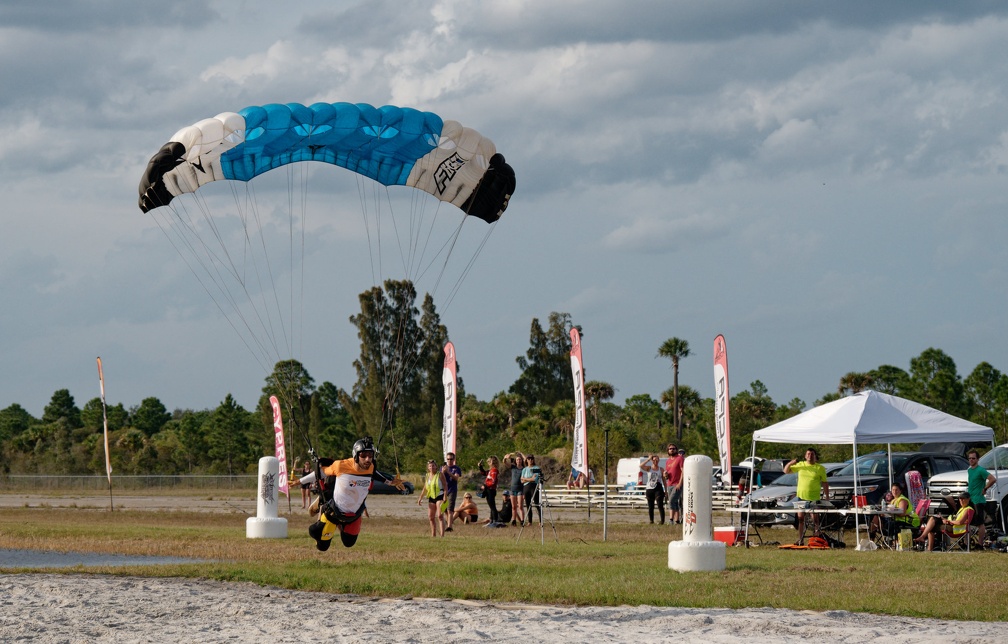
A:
<point x="395" y="557"/>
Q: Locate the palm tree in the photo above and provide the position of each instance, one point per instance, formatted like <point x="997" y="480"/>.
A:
<point x="674" y="349"/>
<point x="596" y="391"/>
<point x="854" y="382"/>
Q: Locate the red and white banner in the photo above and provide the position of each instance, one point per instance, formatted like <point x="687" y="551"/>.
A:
<point x="108" y="461"/>
<point x="448" y="379"/>
<point x="579" y="457"/>
<point x="721" y="399"/>
<point x="281" y="451"/>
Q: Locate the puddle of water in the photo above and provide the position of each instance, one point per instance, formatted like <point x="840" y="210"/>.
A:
<point x="49" y="559"/>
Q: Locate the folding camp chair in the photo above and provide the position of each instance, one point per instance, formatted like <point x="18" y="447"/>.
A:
<point x="962" y="541"/>
<point x="915" y="488"/>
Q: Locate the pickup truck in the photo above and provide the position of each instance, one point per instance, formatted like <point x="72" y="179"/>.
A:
<point x="950" y="484"/>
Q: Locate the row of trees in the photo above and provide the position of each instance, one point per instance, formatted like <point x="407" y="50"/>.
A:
<point x="397" y="399"/>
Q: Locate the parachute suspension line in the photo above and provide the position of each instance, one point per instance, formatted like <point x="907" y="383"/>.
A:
<point x="269" y="272"/>
<point x="369" y="202"/>
<point x="204" y="286"/>
<point x="186" y="231"/>
<point x="472" y="262"/>
<point x="283" y="391"/>
<point x="297" y="175"/>
<point x="304" y="228"/>
<point x="248" y="212"/>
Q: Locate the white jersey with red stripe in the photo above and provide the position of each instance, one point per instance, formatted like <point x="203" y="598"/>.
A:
<point x="350" y="484"/>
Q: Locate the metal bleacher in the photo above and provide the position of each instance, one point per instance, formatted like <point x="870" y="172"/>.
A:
<point x="621" y="496"/>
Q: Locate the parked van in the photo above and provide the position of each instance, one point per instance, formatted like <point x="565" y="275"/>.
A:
<point x="628" y="471"/>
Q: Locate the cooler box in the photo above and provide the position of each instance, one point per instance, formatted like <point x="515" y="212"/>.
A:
<point x="729" y="535"/>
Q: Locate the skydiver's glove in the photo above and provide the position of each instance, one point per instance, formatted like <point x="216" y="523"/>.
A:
<point x="398" y="484"/>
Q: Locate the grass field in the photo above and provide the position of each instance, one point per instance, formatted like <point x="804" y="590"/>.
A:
<point x="396" y="557"/>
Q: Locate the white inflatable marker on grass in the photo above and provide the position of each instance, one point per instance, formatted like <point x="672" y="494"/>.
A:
<point x="698" y="551"/>
<point x="266" y="525"/>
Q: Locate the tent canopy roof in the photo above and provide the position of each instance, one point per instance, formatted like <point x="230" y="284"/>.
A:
<point x="874" y="418"/>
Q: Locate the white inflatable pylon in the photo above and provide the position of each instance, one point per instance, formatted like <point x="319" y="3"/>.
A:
<point x="698" y="551"/>
<point x="265" y="524"/>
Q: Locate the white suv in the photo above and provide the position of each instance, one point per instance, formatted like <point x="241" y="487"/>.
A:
<point x="950" y="484"/>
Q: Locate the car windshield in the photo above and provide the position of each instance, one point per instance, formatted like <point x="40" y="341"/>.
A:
<point x="873" y="464"/>
<point x="996" y="459"/>
<point x="786" y="480"/>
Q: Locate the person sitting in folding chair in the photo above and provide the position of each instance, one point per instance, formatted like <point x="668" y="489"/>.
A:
<point x="902" y="515"/>
<point x="812" y="486"/>
<point x="955" y="528"/>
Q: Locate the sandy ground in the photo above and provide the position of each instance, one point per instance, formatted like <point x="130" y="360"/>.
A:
<point x="85" y="608"/>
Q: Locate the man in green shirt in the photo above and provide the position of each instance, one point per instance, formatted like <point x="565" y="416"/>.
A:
<point x="978" y="481"/>
<point x="812" y="485"/>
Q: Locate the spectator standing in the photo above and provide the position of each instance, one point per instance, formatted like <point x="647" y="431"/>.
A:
<point x="490" y="486"/>
<point x="452" y="473"/>
<point x="674" y="481"/>
<point x="812" y="486"/>
<point x="978" y="481"/>
<point x="531" y="478"/>
<point x="517" y="460"/>
<point x="433" y="493"/>
<point x="654" y="489"/>
<point x="305" y="487"/>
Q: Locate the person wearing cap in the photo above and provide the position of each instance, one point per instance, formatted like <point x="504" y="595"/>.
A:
<point x="953" y="527"/>
<point x="506" y="510"/>
<point x="674" y="481"/>
<point x="467" y="511"/>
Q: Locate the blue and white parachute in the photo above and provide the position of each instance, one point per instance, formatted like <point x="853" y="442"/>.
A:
<point x="392" y="145"/>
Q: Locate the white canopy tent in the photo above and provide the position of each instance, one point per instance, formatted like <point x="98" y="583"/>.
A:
<point x="870" y="417"/>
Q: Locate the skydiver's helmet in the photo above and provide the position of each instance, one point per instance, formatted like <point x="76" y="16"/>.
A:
<point x="364" y="445"/>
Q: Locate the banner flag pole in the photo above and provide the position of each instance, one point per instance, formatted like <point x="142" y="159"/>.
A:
<point x="108" y="461"/>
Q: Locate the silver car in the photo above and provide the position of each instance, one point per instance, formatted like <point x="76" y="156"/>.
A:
<point x="780" y="494"/>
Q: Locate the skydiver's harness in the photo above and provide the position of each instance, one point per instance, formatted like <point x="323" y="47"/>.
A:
<point x="328" y="506"/>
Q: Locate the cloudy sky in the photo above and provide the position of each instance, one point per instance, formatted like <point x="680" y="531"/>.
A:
<point x="823" y="183"/>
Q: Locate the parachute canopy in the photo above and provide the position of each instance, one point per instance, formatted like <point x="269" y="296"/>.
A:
<point x="392" y="145"/>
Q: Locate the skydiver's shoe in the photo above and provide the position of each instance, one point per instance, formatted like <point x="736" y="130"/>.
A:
<point x="315" y="532"/>
<point x="313" y="509"/>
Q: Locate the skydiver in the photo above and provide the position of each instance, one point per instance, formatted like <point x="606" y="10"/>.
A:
<point x="343" y="491"/>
